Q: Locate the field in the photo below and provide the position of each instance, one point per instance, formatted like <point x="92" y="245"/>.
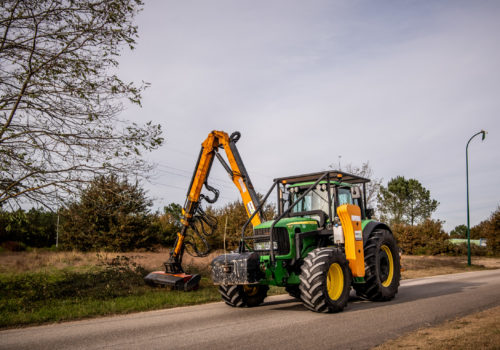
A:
<point x="41" y="286"/>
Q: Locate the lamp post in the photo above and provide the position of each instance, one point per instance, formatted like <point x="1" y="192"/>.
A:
<point x="467" y="181"/>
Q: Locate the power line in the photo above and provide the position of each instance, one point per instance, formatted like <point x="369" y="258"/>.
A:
<point x="186" y="176"/>
<point x="189" y="172"/>
<point x="183" y="189"/>
<point x="214" y="179"/>
<point x="192" y="155"/>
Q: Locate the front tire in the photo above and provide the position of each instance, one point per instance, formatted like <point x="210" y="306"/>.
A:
<point x="243" y="295"/>
<point x="325" y="280"/>
<point x="382" y="267"/>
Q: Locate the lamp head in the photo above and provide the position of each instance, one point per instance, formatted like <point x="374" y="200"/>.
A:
<point x="484" y="134"/>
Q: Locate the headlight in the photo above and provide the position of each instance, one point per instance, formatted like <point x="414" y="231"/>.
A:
<point x="265" y="245"/>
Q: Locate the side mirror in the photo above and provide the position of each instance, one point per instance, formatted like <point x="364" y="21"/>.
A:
<point x="355" y="192"/>
<point x="369" y="212"/>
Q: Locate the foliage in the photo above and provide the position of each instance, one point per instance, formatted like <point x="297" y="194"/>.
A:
<point x="34" y="228"/>
<point x="429" y="238"/>
<point x="111" y="214"/>
<point x="405" y="201"/>
<point x="60" y="100"/>
<point x="167" y="224"/>
<point x="459" y="231"/>
<point x="489" y="229"/>
<point x="236" y="216"/>
<point x="111" y="287"/>
<point x="461" y="249"/>
<point x="372" y="187"/>
<point x="111" y="279"/>
<point x="425" y="238"/>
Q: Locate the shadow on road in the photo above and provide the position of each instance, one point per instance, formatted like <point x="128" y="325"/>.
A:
<point x="406" y="294"/>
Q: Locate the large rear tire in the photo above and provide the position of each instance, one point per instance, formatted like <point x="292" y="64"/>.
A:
<point x="382" y="267"/>
<point x="325" y="280"/>
<point x="245" y="295"/>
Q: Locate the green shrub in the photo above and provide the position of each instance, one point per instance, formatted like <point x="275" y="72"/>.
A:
<point x="120" y="277"/>
<point x="461" y="249"/>
<point x="429" y="238"/>
<point x="111" y="214"/>
<point x="14" y="246"/>
<point x="426" y="238"/>
<point x="489" y="229"/>
<point x="34" y="228"/>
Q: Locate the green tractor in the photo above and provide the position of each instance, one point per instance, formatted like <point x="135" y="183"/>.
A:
<point x="322" y="242"/>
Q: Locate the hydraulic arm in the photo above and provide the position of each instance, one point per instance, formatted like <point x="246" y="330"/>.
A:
<point x="194" y="220"/>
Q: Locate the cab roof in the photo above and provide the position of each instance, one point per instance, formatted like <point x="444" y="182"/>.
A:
<point x="335" y="175"/>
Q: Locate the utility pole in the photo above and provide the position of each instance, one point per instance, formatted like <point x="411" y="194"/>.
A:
<point x="57" y="230"/>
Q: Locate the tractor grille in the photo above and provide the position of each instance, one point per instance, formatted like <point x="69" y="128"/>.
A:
<point x="280" y="238"/>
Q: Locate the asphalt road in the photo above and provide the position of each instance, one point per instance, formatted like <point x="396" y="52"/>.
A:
<point x="281" y="323"/>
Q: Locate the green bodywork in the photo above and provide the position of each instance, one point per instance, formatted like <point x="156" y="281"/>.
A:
<point x="279" y="273"/>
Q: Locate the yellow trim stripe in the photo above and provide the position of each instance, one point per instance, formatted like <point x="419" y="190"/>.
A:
<point x="302" y="223"/>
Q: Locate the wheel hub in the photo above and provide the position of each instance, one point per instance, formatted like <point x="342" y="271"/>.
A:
<point x="335" y="281"/>
<point x="386" y="266"/>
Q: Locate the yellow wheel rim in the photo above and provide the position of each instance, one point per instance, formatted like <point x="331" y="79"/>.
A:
<point x="250" y="290"/>
<point x="335" y="281"/>
<point x="390" y="275"/>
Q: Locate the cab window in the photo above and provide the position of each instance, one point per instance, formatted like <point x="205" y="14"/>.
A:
<point x="344" y="196"/>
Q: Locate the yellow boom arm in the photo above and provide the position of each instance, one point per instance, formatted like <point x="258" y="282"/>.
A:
<point x="209" y="149"/>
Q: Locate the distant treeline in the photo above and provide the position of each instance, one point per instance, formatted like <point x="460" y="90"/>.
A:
<point x="429" y="238"/>
<point x="37" y="228"/>
<point x="114" y="215"/>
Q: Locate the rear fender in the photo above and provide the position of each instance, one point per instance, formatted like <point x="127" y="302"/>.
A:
<point x="372" y="226"/>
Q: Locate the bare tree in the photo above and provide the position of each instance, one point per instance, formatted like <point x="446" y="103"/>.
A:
<point x="60" y="98"/>
<point x="372" y="188"/>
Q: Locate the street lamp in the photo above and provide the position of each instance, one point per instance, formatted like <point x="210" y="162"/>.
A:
<point x="467" y="181"/>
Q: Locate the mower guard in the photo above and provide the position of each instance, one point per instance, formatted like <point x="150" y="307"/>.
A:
<point x="178" y="281"/>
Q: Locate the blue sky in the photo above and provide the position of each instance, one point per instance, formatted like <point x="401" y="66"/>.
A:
<point x="402" y="84"/>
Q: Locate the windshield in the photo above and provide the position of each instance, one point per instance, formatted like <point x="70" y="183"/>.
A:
<point x="314" y="200"/>
<point x="318" y="200"/>
<point x="344" y="196"/>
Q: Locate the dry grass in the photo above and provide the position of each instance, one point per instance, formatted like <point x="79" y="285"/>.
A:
<point x="477" y="331"/>
<point x="423" y="266"/>
<point x="38" y="260"/>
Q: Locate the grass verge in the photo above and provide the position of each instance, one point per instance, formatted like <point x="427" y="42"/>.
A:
<point x="113" y="286"/>
<point x="17" y="312"/>
<point x="477" y="331"/>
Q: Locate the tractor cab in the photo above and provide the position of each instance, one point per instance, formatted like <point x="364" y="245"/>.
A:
<point x="320" y="199"/>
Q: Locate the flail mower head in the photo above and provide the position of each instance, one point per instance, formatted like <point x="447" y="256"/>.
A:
<point x="178" y="281"/>
<point x="173" y="277"/>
